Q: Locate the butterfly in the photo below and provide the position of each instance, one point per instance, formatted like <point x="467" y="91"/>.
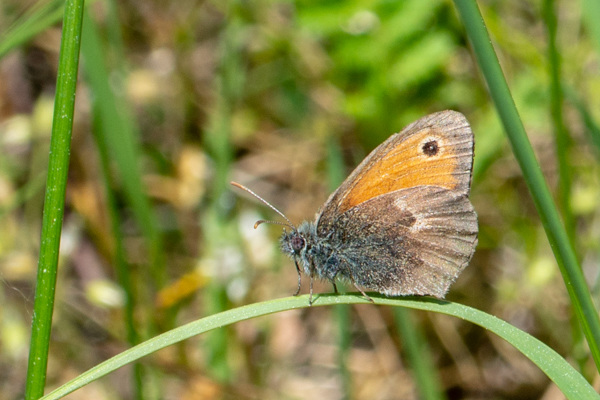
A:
<point x="402" y="222"/>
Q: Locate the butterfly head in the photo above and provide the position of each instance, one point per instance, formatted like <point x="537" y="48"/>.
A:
<point x="297" y="241"/>
<point x="293" y="243"/>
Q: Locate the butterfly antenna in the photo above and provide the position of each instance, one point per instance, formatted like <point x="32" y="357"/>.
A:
<point x="289" y="223"/>
<point x="263" y="221"/>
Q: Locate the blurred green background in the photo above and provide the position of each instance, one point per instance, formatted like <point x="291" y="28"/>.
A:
<point x="176" y="99"/>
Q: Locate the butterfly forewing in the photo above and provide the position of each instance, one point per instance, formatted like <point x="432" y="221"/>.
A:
<point x="436" y="150"/>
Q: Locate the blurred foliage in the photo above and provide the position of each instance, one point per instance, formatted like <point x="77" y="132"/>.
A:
<point x="263" y="92"/>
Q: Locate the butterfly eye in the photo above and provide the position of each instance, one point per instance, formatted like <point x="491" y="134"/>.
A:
<point x="298" y="243"/>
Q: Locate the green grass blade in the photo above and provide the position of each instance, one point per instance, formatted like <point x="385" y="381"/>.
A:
<point x="555" y="231"/>
<point x="570" y="382"/>
<point x="115" y="135"/>
<point x="419" y="357"/>
<point x="39" y="18"/>
<point x="119" y="260"/>
<point x="119" y="135"/>
<point x="591" y="126"/>
<point x="33" y="187"/>
<point x="562" y="139"/>
<point x="58" y="166"/>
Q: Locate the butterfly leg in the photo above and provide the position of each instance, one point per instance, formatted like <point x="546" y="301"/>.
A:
<point x="310" y="300"/>
<point x="362" y="291"/>
<point x="334" y="287"/>
<point x="299" y="278"/>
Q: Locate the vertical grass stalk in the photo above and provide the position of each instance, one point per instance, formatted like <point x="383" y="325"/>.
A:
<point x="562" y="142"/>
<point x="119" y="260"/>
<point x="555" y="231"/>
<point x="115" y="136"/>
<point x="561" y="135"/>
<point x="419" y="356"/>
<point x="54" y="205"/>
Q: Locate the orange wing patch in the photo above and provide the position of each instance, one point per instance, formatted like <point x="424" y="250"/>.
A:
<point x="421" y="159"/>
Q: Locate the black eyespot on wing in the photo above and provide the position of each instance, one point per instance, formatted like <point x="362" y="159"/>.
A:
<point x="431" y="148"/>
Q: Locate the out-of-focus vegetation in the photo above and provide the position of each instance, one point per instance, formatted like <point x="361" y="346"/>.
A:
<point x="177" y="98"/>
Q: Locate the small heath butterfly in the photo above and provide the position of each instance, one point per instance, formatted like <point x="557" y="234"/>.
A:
<point x="402" y="222"/>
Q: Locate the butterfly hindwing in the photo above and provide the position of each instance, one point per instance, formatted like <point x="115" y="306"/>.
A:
<point x="411" y="241"/>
